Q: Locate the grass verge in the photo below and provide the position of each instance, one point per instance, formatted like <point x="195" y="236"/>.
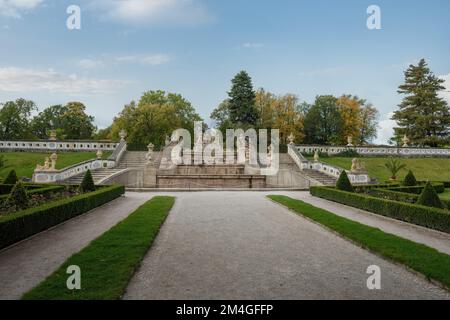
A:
<point x="108" y="263"/>
<point x="428" y="261"/>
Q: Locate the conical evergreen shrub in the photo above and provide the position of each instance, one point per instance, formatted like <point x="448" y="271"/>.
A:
<point x="87" y="185"/>
<point x="343" y="183"/>
<point x="410" y="179"/>
<point x="18" y="196"/>
<point x="429" y="197"/>
<point x="11" y="178"/>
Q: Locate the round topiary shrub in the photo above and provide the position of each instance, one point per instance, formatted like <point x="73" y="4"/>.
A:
<point x="429" y="197"/>
<point x="410" y="179"/>
<point x="11" y="178"/>
<point x="87" y="185"/>
<point x="343" y="183"/>
<point x="18" y="196"/>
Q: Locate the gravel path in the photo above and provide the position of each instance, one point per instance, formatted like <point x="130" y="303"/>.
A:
<point x="26" y="264"/>
<point x="432" y="238"/>
<point x="239" y="245"/>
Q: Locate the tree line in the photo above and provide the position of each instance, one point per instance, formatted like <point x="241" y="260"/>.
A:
<point x="423" y="116"/>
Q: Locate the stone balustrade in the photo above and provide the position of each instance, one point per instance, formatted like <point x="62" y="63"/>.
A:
<point x="57" y="146"/>
<point x="377" y="151"/>
<point x="55" y="176"/>
<point x="330" y="170"/>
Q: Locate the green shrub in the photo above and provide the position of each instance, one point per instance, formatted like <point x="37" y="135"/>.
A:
<point x="87" y="185"/>
<point x="439" y="187"/>
<point x="2" y="161"/>
<point x="18" y="196"/>
<point x="399" y="196"/>
<point x="343" y="183"/>
<point x="429" y="217"/>
<point x="429" y="197"/>
<point x="11" y="178"/>
<point x="25" y="223"/>
<point x="410" y="179"/>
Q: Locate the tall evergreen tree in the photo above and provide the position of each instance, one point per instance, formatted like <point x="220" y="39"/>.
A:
<point x="242" y="110"/>
<point x="423" y="116"/>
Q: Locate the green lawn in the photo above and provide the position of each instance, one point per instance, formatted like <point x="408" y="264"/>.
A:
<point x="435" y="169"/>
<point x="445" y="195"/>
<point x="108" y="263"/>
<point x="25" y="162"/>
<point x="428" y="261"/>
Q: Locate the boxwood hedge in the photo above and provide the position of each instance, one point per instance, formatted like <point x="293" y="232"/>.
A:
<point x="433" y="218"/>
<point x="438" y="186"/>
<point x="25" y="223"/>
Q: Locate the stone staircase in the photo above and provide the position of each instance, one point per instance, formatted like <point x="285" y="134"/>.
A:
<point x="130" y="159"/>
<point x="97" y="175"/>
<point x="320" y="177"/>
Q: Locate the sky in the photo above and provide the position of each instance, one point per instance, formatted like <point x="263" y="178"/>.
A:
<point x="195" y="47"/>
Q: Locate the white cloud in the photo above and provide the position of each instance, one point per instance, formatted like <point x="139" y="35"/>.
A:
<point x="386" y="129"/>
<point x="90" y="64"/>
<point x="14" y="79"/>
<point x="446" y="94"/>
<point x="14" y="8"/>
<point x="152" y="11"/>
<point x="152" y="59"/>
<point x="252" y="45"/>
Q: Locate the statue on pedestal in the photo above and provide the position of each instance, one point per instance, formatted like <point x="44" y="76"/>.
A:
<point x="99" y="154"/>
<point x="53" y="159"/>
<point x="358" y="166"/>
<point x="149" y="155"/>
<point x="316" y="156"/>
<point x="405" y="141"/>
<point x="291" y="138"/>
<point x="45" y="167"/>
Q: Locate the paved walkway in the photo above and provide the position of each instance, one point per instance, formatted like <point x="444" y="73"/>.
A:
<point x="26" y="264"/>
<point x="239" y="245"/>
<point x="432" y="238"/>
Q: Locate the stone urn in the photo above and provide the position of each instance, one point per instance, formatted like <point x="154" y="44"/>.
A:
<point x="350" y="141"/>
<point x="405" y="141"/>
<point x="99" y="154"/>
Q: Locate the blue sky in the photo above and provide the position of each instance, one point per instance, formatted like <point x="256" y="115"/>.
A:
<point x="194" y="47"/>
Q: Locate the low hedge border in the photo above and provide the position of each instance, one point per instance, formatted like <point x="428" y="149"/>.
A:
<point x="400" y="196"/>
<point x="41" y="190"/>
<point x="421" y="258"/>
<point x="25" y="223"/>
<point x="5" y="189"/>
<point x="439" y="187"/>
<point x="432" y="218"/>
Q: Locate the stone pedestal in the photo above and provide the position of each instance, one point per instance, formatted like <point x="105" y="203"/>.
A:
<point x="150" y="176"/>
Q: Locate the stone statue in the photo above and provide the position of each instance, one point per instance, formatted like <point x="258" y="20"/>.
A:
<point x="52" y="135"/>
<point x="357" y="166"/>
<point x="291" y="138"/>
<point x="53" y="159"/>
<point x="149" y="155"/>
<point x="405" y="141"/>
<point x="167" y="141"/>
<point x="99" y="154"/>
<point x="316" y="156"/>
<point x="45" y="167"/>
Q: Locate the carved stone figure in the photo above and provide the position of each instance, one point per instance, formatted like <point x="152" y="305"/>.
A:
<point x="53" y="159"/>
<point x="99" y="154"/>
<point x="405" y="141"/>
<point x="291" y="138"/>
<point x="45" y="167"/>
<point x="149" y="155"/>
<point x="316" y="156"/>
<point x="358" y="166"/>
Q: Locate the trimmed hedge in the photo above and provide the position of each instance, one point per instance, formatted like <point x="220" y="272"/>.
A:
<point x="25" y="223"/>
<point x="400" y="196"/>
<point x="44" y="190"/>
<point x="439" y="187"/>
<point x="367" y="187"/>
<point x="438" y="219"/>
